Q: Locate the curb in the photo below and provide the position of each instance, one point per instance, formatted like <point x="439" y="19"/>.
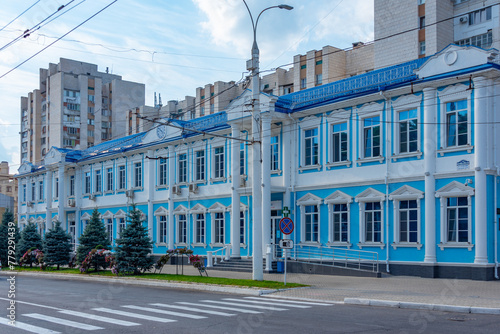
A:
<point x="422" y="306"/>
<point x="148" y="282"/>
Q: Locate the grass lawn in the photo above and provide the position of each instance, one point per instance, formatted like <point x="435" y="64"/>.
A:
<point x="174" y="278"/>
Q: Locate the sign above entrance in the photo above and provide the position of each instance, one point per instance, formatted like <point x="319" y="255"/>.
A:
<point x="286" y="225"/>
<point x="286" y="243"/>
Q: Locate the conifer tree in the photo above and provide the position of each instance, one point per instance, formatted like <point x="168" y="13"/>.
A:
<point x="7" y="217"/>
<point x="94" y="236"/>
<point x="57" y="246"/>
<point x="30" y="238"/>
<point x="134" y="246"/>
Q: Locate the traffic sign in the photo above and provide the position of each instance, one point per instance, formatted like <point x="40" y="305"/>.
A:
<point x="286" y="225"/>
<point x="286" y="243"/>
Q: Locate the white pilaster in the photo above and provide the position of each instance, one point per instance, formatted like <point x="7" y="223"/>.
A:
<point x="48" y="198"/>
<point x="150" y="181"/>
<point x="430" y="146"/>
<point x="171" y="183"/>
<point x="235" y="195"/>
<point x="78" y="200"/>
<point x="480" y="159"/>
<point x="61" y="201"/>
<point x="266" y="181"/>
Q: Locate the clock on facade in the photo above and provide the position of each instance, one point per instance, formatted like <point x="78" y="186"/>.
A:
<point x="161" y="131"/>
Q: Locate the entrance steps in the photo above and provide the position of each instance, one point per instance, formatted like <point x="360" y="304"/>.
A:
<point x="241" y="265"/>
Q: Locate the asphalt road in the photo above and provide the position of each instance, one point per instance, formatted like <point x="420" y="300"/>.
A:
<point x="47" y="306"/>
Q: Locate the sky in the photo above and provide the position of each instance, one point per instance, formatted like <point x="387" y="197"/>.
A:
<point x="172" y="46"/>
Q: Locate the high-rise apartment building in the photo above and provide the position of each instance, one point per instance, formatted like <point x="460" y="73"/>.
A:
<point x="76" y="106"/>
<point x="8" y="189"/>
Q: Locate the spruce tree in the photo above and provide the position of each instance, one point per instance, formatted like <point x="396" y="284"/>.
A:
<point x="57" y="246"/>
<point x="134" y="246"/>
<point x="93" y="236"/>
<point x="30" y="238"/>
<point x="7" y="217"/>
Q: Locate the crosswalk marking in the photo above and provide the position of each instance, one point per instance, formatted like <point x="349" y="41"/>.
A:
<point x="133" y="315"/>
<point x="221" y="307"/>
<point x="99" y="318"/>
<point x="28" y="327"/>
<point x="193" y="309"/>
<point x="62" y="321"/>
<point x="155" y="310"/>
<point x="245" y="305"/>
<point x="290" y="301"/>
<point x="266" y="302"/>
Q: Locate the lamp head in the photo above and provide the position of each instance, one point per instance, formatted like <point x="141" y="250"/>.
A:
<point x="287" y="7"/>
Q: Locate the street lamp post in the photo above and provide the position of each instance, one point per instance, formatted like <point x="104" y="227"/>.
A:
<point x="253" y="65"/>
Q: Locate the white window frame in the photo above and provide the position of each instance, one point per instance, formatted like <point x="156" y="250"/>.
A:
<point x="334" y="120"/>
<point x="454" y="189"/>
<point x="184" y="234"/>
<point x="98" y="181"/>
<point x="120" y="225"/>
<point x="310" y="123"/>
<point x="182" y="171"/>
<point x="122" y="177"/>
<point x="217" y="208"/>
<point x="138" y="174"/>
<point x="41" y="190"/>
<point x="370" y="195"/>
<point x="402" y="104"/>
<point x="363" y="136"/>
<point x="162" y="172"/>
<point x="309" y="200"/>
<point x="202" y="163"/>
<point x="242" y="158"/>
<point x="275" y="148"/>
<point x="218" y="174"/>
<point x="161" y="212"/>
<point x="107" y="218"/>
<point x="199" y="209"/>
<point x="109" y="179"/>
<point x="406" y="193"/>
<point x="338" y="197"/>
<point x="87" y="182"/>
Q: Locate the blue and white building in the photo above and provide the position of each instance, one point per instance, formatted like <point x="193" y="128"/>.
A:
<point x="402" y="161"/>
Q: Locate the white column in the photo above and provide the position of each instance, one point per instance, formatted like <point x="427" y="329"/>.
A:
<point x="78" y="200"/>
<point x="235" y="195"/>
<point x="430" y="146"/>
<point x="287" y="161"/>
<point x="61" y="202"/>
<point x="480" y="159"/>
<point x="150" y="182"/>
<point x="266" y="181"/>
<point x="171" y="183"/>
<point x="48" y="198"/>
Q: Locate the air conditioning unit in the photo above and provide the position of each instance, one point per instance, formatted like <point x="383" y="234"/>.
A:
<point x="464" y="19"/>
<point x="71" y="202"/>
<point x="193" y="188"/>
<point x="243" y="181"/>
<point x="30" y="204"/>
<point x="129" y="193"/>
<point x="92" y="197"/>
<point x="176" y="190"/>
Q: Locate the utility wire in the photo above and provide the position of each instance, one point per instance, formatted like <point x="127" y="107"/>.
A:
<point x="5" y="26"/>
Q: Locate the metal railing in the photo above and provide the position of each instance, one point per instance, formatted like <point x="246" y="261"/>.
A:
<point x="212" y="255"/>
<point x="330" y="256"/>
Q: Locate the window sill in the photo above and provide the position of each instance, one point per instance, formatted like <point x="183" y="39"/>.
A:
<point x="162" y="187"/>
<point x="161" y="244"/>
<point x="367" y="160"/>
<point x="219" y="179"/>
<point x="180" y="244"/>
<point x="204" y="182"/>
<point x="97" y="193"/>
<point x="467" y="245"/>
<point x="137" y="188"/>
<point x="330" y="165"/>
<point x="121" y="190"/>
<point x="371" y="244"/>
<point x="311" y="167"/>
<point x="199" y="245"/>
<point x="467" y="148"/>
<point x="216" y="245"/>
<point x="109" y="192"/>
<point x="244" y="246"/>
<point x="417" y="245"/>
<point x="417" y="154"/>
<point x="276" y="172"/>
<point x="339" y="244"/>
<point x="181" y="184"/>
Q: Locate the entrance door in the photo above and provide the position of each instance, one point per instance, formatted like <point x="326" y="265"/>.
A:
<point x="276" y="234"/>
<point x="72" y="232"/>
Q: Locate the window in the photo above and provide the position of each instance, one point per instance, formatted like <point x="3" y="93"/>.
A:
<point x="73" y="106"/>
<point x="242" y="227"/>
<point x="181" y="229"/>
<point x="40" y="190"/>
<point x="24" y="193"/>
<point x="311" y="147"/>
<point x="408" y="221"/>
<point x="202" y="111"/>
<point x="408" y="131"/>
<point x="121" y="225"/>
<point x="339" y="142"/>
<point x="138" y="174"/>
<point x="421" y="2"/>
<point x="456" y="123"/>
<point x="242" y="159"/>
<point x="373" y="222"/>
<point x="90" y="133"/>
<point x="98" y="181"/>
<point x="303" y="83"/>
<point x="162" y="172"/>
<point x="406" y="216"/>
<point x="457" y="219"/>
<point x="56" y="187"/>
<point x="212" y="108"/>
<point x="108" y="223"/>
<point x="90" y="121"/>
<point x="287" y="90"/>
<point x="109" y="179"/>
<point x="87" y="182"/>
<point x="312" y="223"/>
<point x="200" y="165"/>
<point x="421" y="22"/>
<point x="340" y="223"/>
<point x="482" y="41"/>
<point x="219" y="162"/>
<point x="182" y="168"/>
<point x="371" y="132"/>
<point x="122" y="181"/>
<point x="319" y="79"/>
<point x="200" y="228"/>
<point x="480" y="16"/>
<point x="162" y="230"/>
<point x="275" y="153"/>
<point x="91" y="98"/>
<point x="72" y="185"/>
<point x="421" y="48"/>
<point x="219" y="228"/>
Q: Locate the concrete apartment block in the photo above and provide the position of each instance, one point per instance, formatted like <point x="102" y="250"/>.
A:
<point x="296" y="72"/>
<point x="360" y="59"/>
<point x="439" y="26"/>
<point x="8" y="190"/>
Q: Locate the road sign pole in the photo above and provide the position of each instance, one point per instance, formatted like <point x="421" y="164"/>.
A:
<point x="286" y="255"/>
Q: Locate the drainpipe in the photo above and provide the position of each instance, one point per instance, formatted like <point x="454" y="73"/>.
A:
<point x="387" y="183"/>
<point x="496" y="224"/>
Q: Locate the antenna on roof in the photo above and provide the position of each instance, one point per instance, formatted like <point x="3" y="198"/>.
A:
<point x="155" y="101"/>
<point x="159" y="104"/>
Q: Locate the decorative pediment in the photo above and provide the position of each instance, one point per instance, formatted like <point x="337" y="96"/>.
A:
<point x="370" y="195"/>
<point x="406" y="102"/>
<point x="107" y="215"/>
<point x="31" y="220"/>
<point x="85" y="216"/>
<point x="161" y="211"/>
<point x="53" y="157"/>
<point x="55" y="218"/>
<point x="338" y="197"/>
<point x="243" y="207"/>
<point x="454" y="58"/>
<point x="40" y="220"/>
<point x="406" y="193"/>
<point x="180" y="210"/>
<point x="310" y="121"/>
<point x="370" y="108"/>
<point x="309" y="199"/>
<point x="241" y="105"/>
<point x="455" y="189"/>
<point x="120" y="214"/>
<point x="339" y="115"/>
<point x="26" y="168"/>
<point x="217" y="207"/>
<point x="23" y="220"/>
<point x="198" y="208"/>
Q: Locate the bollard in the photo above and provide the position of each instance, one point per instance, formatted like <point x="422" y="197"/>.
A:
<point x="209" y="260"/>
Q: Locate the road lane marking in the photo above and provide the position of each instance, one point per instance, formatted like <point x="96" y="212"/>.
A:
<point x="290" y="301"/>
<point x="193" y="309"/>
<point x="221" y="307"/>
<point x="28" y="327"/>
<point x="246" y="305"/>
<point x="99" y="318"/>
<point x="265" y="302"/>
<point x="32" y="304"/>
<point x="62" y="321"/>
<point x="155" y="310"/>
<point x="133" y="315"/>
